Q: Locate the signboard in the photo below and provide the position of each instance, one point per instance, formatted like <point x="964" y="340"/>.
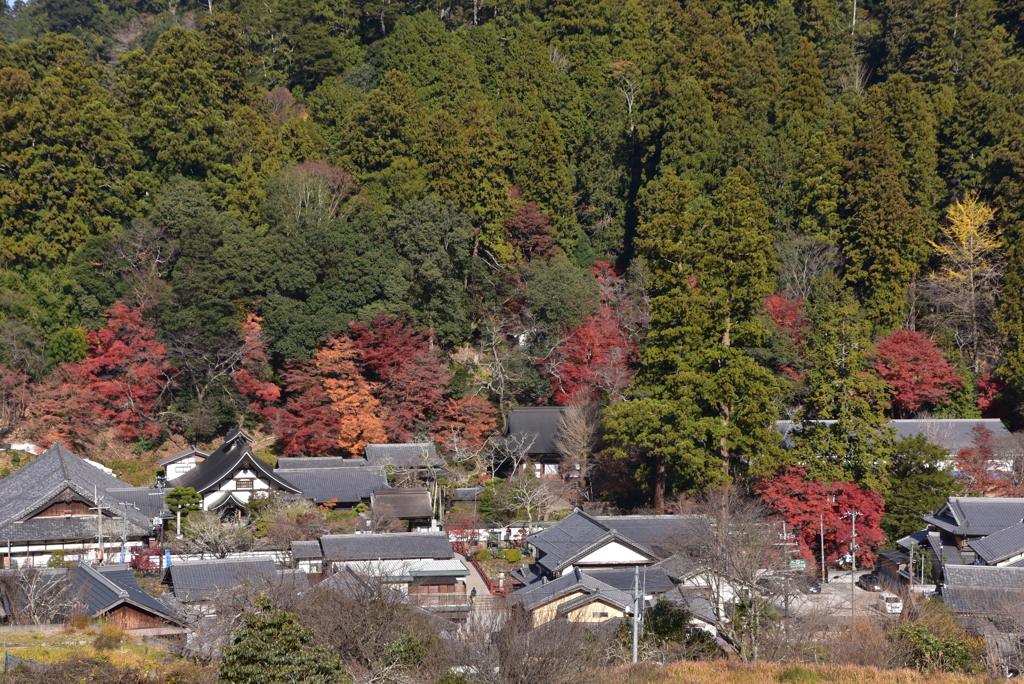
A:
<point x="798" y="564"/>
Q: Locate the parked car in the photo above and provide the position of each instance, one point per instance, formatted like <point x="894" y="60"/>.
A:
<point x="890" y="603"/>
<point x="808" y="585"/>
<point x="870" y="583"/>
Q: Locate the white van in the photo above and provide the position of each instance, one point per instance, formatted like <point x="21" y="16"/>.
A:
<point x="890" y="603"/>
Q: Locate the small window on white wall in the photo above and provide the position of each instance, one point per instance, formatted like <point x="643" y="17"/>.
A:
<point x="550" y="468"/>
<point x="182" y="468"/>
<point x="245" y="484"/>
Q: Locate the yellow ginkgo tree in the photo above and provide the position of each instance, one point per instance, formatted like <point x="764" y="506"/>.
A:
<point x="963" y="289"/>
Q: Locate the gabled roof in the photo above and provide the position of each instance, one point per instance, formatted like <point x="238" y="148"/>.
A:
<point x="977" y="516"/>
<point x="1001" y="545"/>
<point x="196" y="580"/>
<point x="404" y="504"/>
<point x="347" y="486"/>
<point x="405" y="455"/>
<point x="659" y="533"/>
<point x="105" y="588"/>
<point x="56" y="470"/>
<point x="535" y="426"/>
<point x="541" y="593"/>
<point x="191" y="451"/>
<point x="302" y="462"/>
<point x="574" y="537"/>
<point x="397" y="546"/>
<point x="232" y="456"/>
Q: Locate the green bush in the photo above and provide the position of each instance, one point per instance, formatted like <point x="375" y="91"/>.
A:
<point x="483" y="555"/>
<point x="797" y="675"/>
<point x="513" y="555"/>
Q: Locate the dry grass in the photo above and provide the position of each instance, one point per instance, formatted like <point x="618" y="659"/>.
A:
<point x="734" y="672"/>
<point x="64" y="645"/>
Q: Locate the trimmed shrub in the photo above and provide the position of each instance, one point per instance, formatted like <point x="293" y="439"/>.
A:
<point x="483" y="555"/>
<point x="513" y="555"/>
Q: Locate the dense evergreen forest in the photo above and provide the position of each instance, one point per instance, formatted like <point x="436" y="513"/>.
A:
<point x="358" y="220"/>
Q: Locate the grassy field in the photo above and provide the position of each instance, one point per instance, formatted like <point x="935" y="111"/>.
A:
<point x="731" y="672"/>
<point x="66" y="644"/>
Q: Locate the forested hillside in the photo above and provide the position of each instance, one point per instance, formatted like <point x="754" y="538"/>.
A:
<point x="360" y="220"/>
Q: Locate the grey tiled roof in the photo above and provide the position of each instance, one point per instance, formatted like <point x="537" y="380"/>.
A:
<point x="978" y="516"/>
<point x="915" y="539"/>
<point x="952" y="434"/>
<point x="986" y="600"/>
<point x="661" y="534"/>
<point x="397" y="546"/>
<point x="31" y="487"/>
<point x="536" y="424"/>
<point x="149" y="500"/>
<point x="102" y="589"/>
<point x="230" y="457"/>
<point x="573" y="537"/>
<point x="1000" y="545"/>
<point x="653" y="580"/>
<point x="405" y="455"/>
<point x="196" y="580"/>
<point x="541" y="593"/>
<point x="123" y="576"/>
<point x="944" y="546"/>
<point x="468" y="493"/>
<point x="984" y="576"/>
<point x="404" y="504"/>
<point x="302" y="462"/>
<point x="306" y="550"/>
<point x="347" y="486"/>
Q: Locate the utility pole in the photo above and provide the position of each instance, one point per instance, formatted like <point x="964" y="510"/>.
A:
<point x="852" y="515"/>
<point x="99" y="524"/>
<point x="636" y="610"/>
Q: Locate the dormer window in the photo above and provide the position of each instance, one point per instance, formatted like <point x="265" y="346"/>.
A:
<point x="244" y="484"/>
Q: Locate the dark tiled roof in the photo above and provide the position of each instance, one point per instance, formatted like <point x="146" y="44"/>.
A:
<point x="944" y="546"/>
<point x="232" y="456"/>
<point x="986" y="600"/>
<point x="404" y="504"/>
<point x="407" y="455"/>
<point x="1001" y="545"/>
<point x="660" y="534"/>
<point x="104" y="588"/>
<point x="984" y="576"/>
<point x="978" y="516"/>
<point x="122" y="576"/>
<point x="148" y="500"/>
<point x="397" y="546"/>
<point x="952" y="434"/>
<point x="544" y="592"/>
<point x="302" y="462"/>
<point x="347" y="486"/>
<point x="573" y="537"/>
<point x="653" y="580"/>
<point x="191" y="451"/>
<point x="195" y="580"/>
<point x="468" y="493"/>
<point x="915" y="539"/>
<point x="306" y="550"/>
<point x="55" y="470"/>
<point x="536" y="426"/>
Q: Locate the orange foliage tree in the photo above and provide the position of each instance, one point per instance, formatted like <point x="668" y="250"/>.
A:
<point x="350" y="394"/>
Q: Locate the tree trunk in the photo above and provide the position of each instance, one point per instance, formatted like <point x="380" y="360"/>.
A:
<point x="659" y="483"/>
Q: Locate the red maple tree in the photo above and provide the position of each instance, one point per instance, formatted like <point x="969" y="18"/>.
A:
<point x="65" y="407"/>
<point x="411" y="377"/>
<point x="330" y="409"/>
<point x="596" y="358"/>
<point x="789" y="315"/>
<point x="467" y="422"/>
<point x="127" y="369"/>
<point x="990" y="402"/>
<point x="915" y="370"/>
<point x="980" y="467"/>
<point x="806" y="504"/>
<point x="252" y="379"/>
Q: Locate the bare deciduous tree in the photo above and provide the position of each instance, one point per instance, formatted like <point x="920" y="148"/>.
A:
<point x="579" y="430"/>
<point x="205" y="534"/>
<point x="802" y="260"/>
<point x="39" y="596"/>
